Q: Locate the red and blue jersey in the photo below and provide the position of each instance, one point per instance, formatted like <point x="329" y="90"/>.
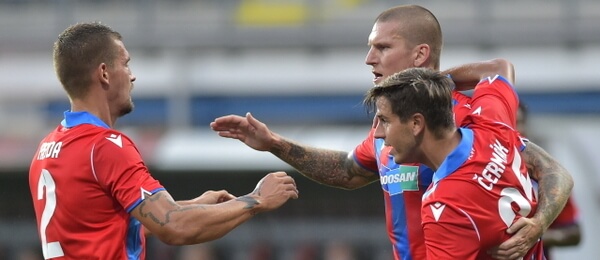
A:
<point x="403" y="187"/>
<point x="482" y="187"/>
<point x="85" y="179"/>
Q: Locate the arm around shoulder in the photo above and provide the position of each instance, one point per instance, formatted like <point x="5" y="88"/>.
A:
<point x="555" y="183"/>
<point x="467" y="76"/>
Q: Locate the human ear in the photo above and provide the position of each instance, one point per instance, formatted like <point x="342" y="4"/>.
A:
<point x="102" y="73"/>
<point x="418" y="124"/>
<point x="422" y="52"/>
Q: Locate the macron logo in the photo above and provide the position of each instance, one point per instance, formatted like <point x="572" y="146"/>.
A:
<point x="492" y="79"/>
<point x="144" y="193"/>
<point x="116" y="139"/>
<point x="477" y="111"/>
<point x="437" y="210"/>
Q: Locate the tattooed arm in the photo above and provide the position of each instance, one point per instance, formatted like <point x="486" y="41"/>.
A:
<point x="191" y="222"/>
<point x="554" y="188"/>
<point x="329" y="167"/>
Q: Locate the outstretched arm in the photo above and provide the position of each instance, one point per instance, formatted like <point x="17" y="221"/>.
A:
<point x="554" y="188"/>
<point x="208" y="197"/>
<point x="467" y="76"/>
<point x="325" y="166"/>
<point x="193" y="222"/>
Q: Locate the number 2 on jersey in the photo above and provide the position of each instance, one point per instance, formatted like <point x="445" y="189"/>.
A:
<point x="49" y="249"/>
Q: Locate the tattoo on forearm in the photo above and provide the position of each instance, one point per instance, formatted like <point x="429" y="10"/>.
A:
<point x="164" y="219"/>
<point x="554" y="186"/>
<point x="324" y="166"/>
<point x="250" y="202"/>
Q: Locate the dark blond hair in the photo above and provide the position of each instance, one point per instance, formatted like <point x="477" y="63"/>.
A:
<point x="79" y="50"/>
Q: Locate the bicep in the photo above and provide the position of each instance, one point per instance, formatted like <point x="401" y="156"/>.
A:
<point x="156" y="212"/>
<point x="361" y="164"/>
<point x="358" y="175"/>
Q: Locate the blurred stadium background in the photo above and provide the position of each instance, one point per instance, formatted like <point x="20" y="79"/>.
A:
<point x="297" y="65"/>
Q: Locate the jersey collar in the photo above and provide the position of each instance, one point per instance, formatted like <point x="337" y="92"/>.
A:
<point x="73" y="119"/>
<point x="457" y="157"/>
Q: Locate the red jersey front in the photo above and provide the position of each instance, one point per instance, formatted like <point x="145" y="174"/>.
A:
<point x="403" y="187"/>
<point x="84" y="179"/>
<point x="482" y="186"/>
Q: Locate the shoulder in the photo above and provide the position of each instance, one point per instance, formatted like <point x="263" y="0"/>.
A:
<point x="113" y="143"/>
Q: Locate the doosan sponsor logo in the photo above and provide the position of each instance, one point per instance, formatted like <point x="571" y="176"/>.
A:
<point x="399" y="177"/>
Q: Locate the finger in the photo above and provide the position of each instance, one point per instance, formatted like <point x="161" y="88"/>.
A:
<point x="279" y="174"/>
<point x="508" y="247"/>
<point x="228" y="119"/>
<point x="498" y="253"/>
<point x="500" y="256"/>
<point x="293" y="181"/>
<point x="252" y="120"/>
<point x="227" y="122"/>
<point x="227" y="197"/>
<point x="520" y="223"/>
<point x="293" y="193"/>
<point x="229" y="135"/>
<point x="289" y="180"/>
<point x="225" y="193"/>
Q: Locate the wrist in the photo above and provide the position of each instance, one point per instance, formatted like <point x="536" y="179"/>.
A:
<point x="543" y="223"/>
<point x="252" y="203"/>
<point x="277" y="144"/>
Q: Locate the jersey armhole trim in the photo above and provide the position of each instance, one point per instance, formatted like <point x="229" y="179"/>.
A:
<point x="142" y="197"/>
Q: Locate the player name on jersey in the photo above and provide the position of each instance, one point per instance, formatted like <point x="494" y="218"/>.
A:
<point x="49" y="150"/>
<point x="495" y="168"/>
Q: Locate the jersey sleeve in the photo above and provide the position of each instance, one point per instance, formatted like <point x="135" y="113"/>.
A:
<point x="496" y="99"/>
<point x="462" y="105"/>
<point x="364" y="153"/>
<point x="441" y="224"/>
<point x="120" y="170"/>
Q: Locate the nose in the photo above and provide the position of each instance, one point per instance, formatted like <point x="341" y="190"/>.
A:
<point x="133" y="78"/>
<point x="379" y="130"/>
<point x="370" y="59"/>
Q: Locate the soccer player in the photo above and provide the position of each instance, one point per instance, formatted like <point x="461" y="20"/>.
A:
<point x="92" y="193"/>
<point x="402" y="37"/>
<point x="481" y="184"/>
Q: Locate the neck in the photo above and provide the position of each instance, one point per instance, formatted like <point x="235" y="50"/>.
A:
<point x="435" y="150"/>
<point x="99" y="110"/>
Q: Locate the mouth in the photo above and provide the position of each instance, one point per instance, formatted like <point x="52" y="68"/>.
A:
<point x="377" y="77"/>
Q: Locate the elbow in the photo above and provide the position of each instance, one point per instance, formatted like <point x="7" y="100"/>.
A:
<point x="504" y="68"/>
<point x="568" y="180"/>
